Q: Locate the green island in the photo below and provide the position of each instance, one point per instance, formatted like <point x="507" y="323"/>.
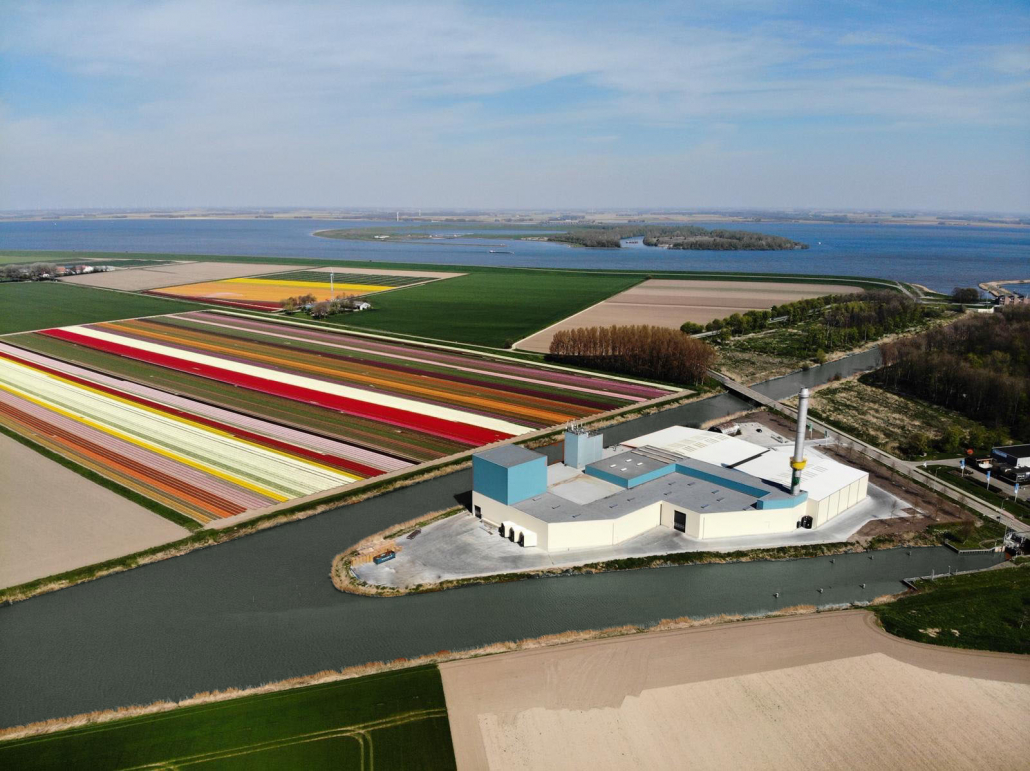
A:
<point x="389" y="720"/>
<point x="691" y="237"/>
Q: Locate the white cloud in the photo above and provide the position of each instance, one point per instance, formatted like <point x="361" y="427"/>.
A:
<point x="266" y="102"/>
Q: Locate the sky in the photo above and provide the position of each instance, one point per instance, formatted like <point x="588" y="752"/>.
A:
<point x="556" y="105"/>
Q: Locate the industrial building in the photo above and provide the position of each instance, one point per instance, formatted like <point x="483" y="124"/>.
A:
<point x="1016" y="455"/>
<point x="703" y="484"/>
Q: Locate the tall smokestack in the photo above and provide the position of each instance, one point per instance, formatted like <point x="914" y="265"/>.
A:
<point x="797" y="463"/>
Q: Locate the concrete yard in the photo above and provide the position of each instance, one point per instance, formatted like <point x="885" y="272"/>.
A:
<point x="463" y="546"/>
<point x="144" y="278"/>
<point x="671" y="302"/>
<point x="53" y="520"/>
<point x="816" y="691"/>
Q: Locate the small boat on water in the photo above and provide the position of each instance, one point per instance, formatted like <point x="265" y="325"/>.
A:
<point x="500" y="251"/>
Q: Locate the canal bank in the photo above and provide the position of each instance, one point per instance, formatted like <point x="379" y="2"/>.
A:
<point x="262" y="608"/>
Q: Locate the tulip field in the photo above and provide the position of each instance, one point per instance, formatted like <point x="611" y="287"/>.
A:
<point x="214" y="413"/>
<point x="268" y="292"/>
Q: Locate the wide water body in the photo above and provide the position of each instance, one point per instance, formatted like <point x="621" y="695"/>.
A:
<point x="937" y="256"/>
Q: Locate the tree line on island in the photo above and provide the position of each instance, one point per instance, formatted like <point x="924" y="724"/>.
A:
<point x="678" y="237"/>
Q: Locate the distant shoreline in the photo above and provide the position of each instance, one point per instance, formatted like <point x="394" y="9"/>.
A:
<point x="538" y="220"/>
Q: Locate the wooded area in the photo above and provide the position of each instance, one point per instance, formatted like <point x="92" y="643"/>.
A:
<point x="978" y="366"/>
<point x="641" y="350"/>
<point x="680" y="237"/>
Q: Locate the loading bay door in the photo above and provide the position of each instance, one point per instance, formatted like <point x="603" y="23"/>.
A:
<point x="679" y="521"/>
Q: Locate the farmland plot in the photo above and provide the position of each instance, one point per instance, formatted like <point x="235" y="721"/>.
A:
<point x="268" y="292"/>
<point x="213" y="414"/>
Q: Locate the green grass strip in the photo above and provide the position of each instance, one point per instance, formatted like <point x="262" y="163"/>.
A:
<point x="399" y="718"/>
<point x="989" y="610"/>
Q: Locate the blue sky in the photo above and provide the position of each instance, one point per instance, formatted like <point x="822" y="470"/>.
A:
<point x="522" y="105"/>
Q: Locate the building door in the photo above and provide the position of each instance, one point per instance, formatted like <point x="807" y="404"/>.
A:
<point x="479" y="511"/>
<point x="679" y="521"/>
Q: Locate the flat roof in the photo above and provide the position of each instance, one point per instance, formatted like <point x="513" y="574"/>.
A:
<point x="708" y="446"/>
<point x="628" y="465"/>
<point x="677" y="489"/>
<point x="509" y="455"/>
<point x="1015" y="449"/>
<point x="821" y="477"/>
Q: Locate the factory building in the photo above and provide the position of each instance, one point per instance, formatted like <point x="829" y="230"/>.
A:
<point x="703" y="484"/>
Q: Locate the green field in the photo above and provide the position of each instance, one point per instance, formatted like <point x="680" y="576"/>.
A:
<point x="494" y="308"/>
<point x="394" y="720"/>
<point x="37" y="305"/>
<point x="489" y="306"/>
<point x="986" y="611"/>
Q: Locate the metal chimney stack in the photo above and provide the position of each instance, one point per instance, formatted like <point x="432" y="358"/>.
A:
<point x="797" y="463"/>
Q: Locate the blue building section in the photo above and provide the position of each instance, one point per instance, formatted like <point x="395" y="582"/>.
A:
<point x="582" y="448"/>
<point x="629" y="469"/>
<point x="509" y="474"/>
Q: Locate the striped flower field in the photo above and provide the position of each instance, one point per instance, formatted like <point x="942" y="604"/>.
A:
<point x="267" y="292"/>
<point x="215" y="413"/>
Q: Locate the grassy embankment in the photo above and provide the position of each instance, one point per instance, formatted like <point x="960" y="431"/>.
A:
<point x="389" y="720"/>
<point x="989" y="610"/>
<point x="37" y="305"/>
<point x="881" y="418"/>
<point x="975" y="484"/>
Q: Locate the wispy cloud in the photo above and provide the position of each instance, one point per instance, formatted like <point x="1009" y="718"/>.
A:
<point x="201" y="96"/>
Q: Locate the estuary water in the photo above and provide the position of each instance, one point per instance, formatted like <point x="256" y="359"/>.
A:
<point x="940" y="257"/>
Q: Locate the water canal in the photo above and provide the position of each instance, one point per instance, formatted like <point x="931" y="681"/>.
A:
<point x="262" y="608"/>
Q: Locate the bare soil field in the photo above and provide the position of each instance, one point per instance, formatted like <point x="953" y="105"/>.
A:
<point x="385" y="272"/>
<point x="143" y="278"/>
<point x="831" y="690"/>
<point x="53" y="520"/>
<point x="670" y="302"/>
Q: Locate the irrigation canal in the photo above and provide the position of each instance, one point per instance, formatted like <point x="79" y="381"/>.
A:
<point x="262" y="607"/>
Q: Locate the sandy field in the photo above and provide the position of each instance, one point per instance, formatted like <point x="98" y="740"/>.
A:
<point x="670" y="302"/>
<point x="52" y="519"/>
<point x="142" y="279"/>
<point x="817" y="691"/>
<point x="370" y="272"/>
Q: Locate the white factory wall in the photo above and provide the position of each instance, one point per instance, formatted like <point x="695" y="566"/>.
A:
<point x="632" y="525"/>
<point x="495" y="512"/>
<point x="693" y="526"/>
<point x="822" y="511"/>
<point x="730" y="524"/>
<point x="591" y="534"/>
